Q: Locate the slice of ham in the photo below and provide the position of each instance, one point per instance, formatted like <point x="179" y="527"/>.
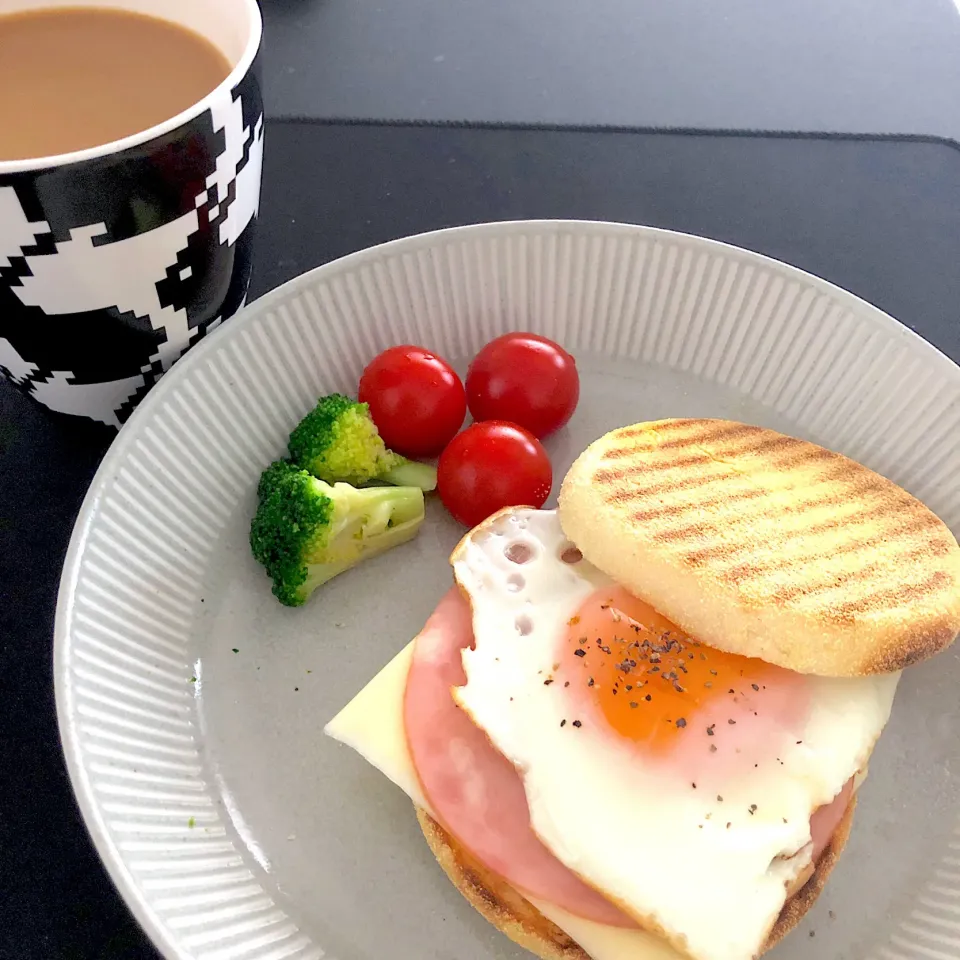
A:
<point x="826" y="819"/>
<point x="476" y="793"/>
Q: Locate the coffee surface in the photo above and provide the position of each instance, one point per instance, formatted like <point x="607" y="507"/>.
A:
<point x="78" y="77"/>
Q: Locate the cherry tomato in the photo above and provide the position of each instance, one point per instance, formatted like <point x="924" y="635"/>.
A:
<point x="526" y="379"/>
<point x="492" y="465"/>
<point x="416" y="400"/>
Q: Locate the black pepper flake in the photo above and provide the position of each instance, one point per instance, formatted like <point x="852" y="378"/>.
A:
<point x="629" y="687"/>
<point x="615" y="691"/>
<point x="681" y="723"/>
<point x="605" y="650"/>
<point x="296" y="689"/>
<point x="634" y="704"/>
<point x="799" y="742"/>
<point x="831" y="915"/>
<point x="648" y="698"/>
<point x="582" y="640"/>
<point x="563" y="723"/>
<point x="548" y="681"/>
<point x="566" y="683"/>
<point x="590" y="682"/>
<point x="752" y="809"/>
<point x="784" y="819"/>
<point x="813" y="933"/>
<point x="719" y="798"/>
<point x="713" y="673"/>
<point x="579" y="653"/>
<point x="731" y="690"/>
<point x="710" y="729"/>
<point x="654" y="669"/>
<point x="577" y="723"/>
<point x="755" y="687"/>
<point x="728" y="826"/>
<point x="713" y="748"/>
<point x="693" y="785"/>
<point x="678" y="688"/>
<point x="732" y="722"/>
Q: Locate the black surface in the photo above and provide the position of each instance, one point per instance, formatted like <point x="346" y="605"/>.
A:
<point x="880" y="218"/>
<point x="865" y="66"/>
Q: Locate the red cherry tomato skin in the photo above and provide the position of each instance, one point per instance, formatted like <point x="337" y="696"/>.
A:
<point x="416" y="400"/>
<point x="526" y="379"/>
<point x="492" y="465"/>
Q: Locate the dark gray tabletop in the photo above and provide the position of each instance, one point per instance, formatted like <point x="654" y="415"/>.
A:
<point x="856" y="66"/>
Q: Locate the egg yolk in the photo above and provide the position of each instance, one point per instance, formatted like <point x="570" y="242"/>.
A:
<point x="656" y="686"/>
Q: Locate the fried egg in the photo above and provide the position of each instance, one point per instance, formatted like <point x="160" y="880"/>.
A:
<point x="677" y="780"/>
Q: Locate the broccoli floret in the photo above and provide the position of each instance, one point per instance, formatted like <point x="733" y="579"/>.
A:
<point x="306" y="531"/>
<point x="338" y="441"/>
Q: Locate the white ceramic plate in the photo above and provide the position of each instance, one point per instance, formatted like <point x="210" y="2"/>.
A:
<point x="233" y="828"/>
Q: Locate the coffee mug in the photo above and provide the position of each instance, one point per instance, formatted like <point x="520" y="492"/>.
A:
<point x="116" y="259"/>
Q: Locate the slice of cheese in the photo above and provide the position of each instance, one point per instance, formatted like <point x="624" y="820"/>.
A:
<point x="372" y="724"/>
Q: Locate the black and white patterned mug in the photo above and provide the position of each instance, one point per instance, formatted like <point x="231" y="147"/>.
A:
<point x="116" y="259"/>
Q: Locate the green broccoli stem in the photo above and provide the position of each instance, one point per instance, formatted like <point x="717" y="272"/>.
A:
<point x="375" y="521"/>
<point x="360" y="516"/>
<point x="411" y="473"/>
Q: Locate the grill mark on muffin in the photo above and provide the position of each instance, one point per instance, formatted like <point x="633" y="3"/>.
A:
<point x="667" y="426"/>
<point x="638" y="493"/>
<point x="904" y="532"/>
<point x="859" y="485"/>
<point x="713" y="434"/>
<point x="689" y="531"/>
<point x="605" y="477"/>
<point x="807" y="454"/>
<point x="676" y="509"/>
<point x="716" y="551"/>
<point x="894" y="596"/>
<point x="846" y="475"/>
<point x="698" y="529"/>
<point x="638" y="469"/>
<point x="860" y="576"/>
<point x="779" y="442"/>
<point x="700" y="432"/>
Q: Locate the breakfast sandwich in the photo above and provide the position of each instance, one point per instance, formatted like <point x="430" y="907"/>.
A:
<point x="636" y="725"/>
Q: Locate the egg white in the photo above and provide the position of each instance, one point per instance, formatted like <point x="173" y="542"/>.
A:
<point x="631" y="828"/>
